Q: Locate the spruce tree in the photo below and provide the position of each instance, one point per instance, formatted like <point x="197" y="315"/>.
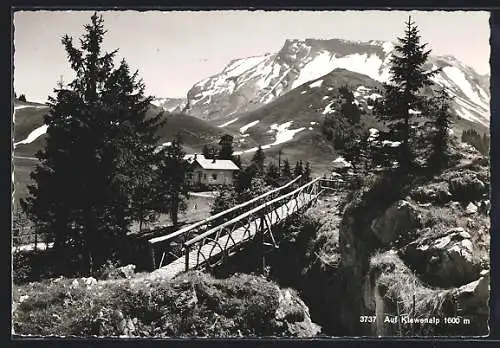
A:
<point x="258" y="160"/>
<point x="226" y="147"/>
<point x="307" y="172"/>
<point x="299" y="169"/>
<point x="402" y="94"/>
<point x="286" y="171"/>
<point x="173" y="186"/>
<point x="272" y="174"/>
<point x="440" y="137"/>
<point x="98" y="141"/>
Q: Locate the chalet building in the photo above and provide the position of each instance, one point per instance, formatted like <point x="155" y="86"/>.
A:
<point x="211" y="171"/>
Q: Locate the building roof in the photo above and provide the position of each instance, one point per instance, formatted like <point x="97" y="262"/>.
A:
<point x="211" y="164"/>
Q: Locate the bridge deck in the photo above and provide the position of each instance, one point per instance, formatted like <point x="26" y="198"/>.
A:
<point x="237" y="237"/>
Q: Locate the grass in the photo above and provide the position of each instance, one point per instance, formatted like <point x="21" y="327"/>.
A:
<point x="400" y="287"/>
<point x="193" y="304"/>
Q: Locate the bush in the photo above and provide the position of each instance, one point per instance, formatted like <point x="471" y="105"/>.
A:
<point x="193" y="304"/>
<point x="466" y="187"/>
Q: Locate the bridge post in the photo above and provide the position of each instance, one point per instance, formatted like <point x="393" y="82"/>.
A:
<point x="152" y="253"/>
<point x="262" y="256"/>
<point x="186" y="260"/>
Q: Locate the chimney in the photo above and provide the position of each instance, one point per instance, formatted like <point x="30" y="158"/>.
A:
<point x="195" y="155"/>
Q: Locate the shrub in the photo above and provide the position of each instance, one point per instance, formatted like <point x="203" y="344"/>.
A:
<point x="467" y="187"/>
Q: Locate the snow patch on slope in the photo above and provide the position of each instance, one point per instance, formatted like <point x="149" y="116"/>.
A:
<point x="33" y="135"/>
<point x="316" y="84"/>
<point x="328" y="109"/>
<point x="228" y="123"/>
<point x="458" y="77"/>
<point x="251" y="124"/>
<point x="284" y="134"/>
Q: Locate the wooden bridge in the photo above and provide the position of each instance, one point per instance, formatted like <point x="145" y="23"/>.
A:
<point x="210" y="242"/>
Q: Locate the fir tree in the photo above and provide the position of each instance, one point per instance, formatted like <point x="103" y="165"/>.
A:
<point x="440" y="137"/>
<point x="408" y="77"/>
<point x="173" y="183"/>
<point x="286" y="171"/>
<point x="307" y="172"/>
<point x="272" y="174"/>
<point x="98" y="141"/>
<point x="226" y="147"/>
<point x="209" y="152"/>
<point x="299" y="169"/>
<point x="258" y="161"/>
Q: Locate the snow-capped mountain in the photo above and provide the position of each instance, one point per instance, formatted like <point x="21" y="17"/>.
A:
<point x="248" y="83"/>
<point x="170" y="104"/>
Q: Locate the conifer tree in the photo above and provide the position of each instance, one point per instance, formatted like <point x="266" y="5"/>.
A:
<point x="258" y="161"/>
<point x="272" y="173"/>
<point x="402" y="94"/>
<point x="299" y="169"/>
<point x="286" y="171"/>
<point x="440" y="137"/>
<point x="173" y="184"/>
<point x="99" y="141"/>
<point x="22" y="98"/>
<point x="307" y="172"/>
<point x="226" y="147"/>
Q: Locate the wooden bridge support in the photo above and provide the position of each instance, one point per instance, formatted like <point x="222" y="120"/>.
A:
<point x="261" y="246"/>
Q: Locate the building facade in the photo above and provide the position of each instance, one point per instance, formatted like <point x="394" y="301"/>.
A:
<point x="207" y="172"/>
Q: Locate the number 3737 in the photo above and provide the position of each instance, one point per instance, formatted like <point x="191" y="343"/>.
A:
<point x="367" y="318"/>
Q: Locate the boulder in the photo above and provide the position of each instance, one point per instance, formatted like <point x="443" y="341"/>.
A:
<point x="444" y="260"/>
<point x="471" y="209"/>
<point x="432" y="193"/>
<point x="126" y="271"/>
<point x="467" y="187"/>
<point x="472" y="302"/>
<point x="294" y="315"/>
<point x="398" y="220"/>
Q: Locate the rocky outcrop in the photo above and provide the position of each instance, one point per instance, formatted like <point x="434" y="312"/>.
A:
<point x="400" y="219"/>
<point x="293" y="315"/>
<point x="433" y="193"/>
<point x="445" y="260"/>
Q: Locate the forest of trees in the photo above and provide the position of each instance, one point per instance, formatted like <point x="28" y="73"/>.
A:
<point x="407" y="139"/>
<point x="480" y="143"/>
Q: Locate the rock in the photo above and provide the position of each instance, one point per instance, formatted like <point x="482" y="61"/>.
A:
<point x="398" y="220"/>
<point x="471" y="209"/>
<point x="127" y="271"/>
<point x="90" y="281"/>
<point x="446" y="260"/>
<point x="23" y="298"/>
<point x="432" y="193"/>
<point x="474" y="297"/>
<point x="466" y="187"/>
<point x="295" y="314"/>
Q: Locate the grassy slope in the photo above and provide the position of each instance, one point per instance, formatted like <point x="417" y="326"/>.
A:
<point x="195" y="133"/>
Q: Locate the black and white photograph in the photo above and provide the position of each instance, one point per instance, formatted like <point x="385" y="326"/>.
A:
<point x="250" y="174"/>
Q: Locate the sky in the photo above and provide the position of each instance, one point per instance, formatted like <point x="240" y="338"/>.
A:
<point x="175" y="49"/>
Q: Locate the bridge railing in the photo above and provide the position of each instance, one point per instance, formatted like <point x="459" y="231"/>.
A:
<point x="162" y="243"/>
<point x="214" y="245"/>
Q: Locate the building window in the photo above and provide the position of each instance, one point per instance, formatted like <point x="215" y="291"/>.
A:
<point x="214" y="176"/>
<point x="204" y="176"/>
